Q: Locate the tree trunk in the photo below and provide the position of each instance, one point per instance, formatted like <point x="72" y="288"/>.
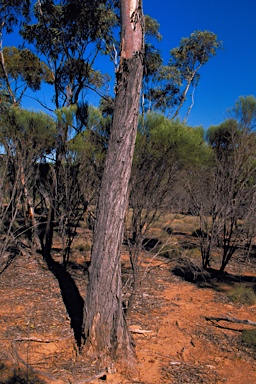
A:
<point x="29" y="214"/>
<point x="105" y="330"/>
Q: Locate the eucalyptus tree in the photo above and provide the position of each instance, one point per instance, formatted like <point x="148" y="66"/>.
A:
<point x="172" y="82"/>
<point x="244" y="111"/>
<point x="27" y="137"/>
<point x="12" y="13"/>
<point x="105" y="329"/>
<point x="69" y="36"/>
<point x="164" y="150"/>
<point x="235" y="177"/>
<point x="21" y="70"/>
<point x="226" y="201"/>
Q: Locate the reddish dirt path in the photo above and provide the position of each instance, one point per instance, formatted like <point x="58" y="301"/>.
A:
<point x="174" y="341"/>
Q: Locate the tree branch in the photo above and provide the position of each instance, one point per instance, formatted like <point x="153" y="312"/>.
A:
<point x="231" y="320"/>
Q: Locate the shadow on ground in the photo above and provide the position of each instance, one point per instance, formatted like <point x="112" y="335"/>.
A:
<point x="10" y="375"/>
<point x="72" y="299"/>
<point x="210" y="278"/>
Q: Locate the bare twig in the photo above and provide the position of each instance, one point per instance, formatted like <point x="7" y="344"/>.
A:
<point x="35" y="339"/>
<point x="231" y="320"/>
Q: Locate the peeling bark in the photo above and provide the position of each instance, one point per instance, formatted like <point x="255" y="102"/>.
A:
<point x="132" y="29"/>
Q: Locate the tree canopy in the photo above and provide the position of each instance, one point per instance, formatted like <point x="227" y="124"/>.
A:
<point x="173" y="81"/>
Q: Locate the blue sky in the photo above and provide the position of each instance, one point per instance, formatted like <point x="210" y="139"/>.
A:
<point x="224" y="78"/>
<point x="232" y="72"/>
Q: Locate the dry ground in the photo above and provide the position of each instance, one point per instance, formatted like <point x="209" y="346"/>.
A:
<point x="175" y="343"/>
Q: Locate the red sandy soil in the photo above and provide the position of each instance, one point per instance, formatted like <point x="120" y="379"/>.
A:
<point x="174" y="341"/>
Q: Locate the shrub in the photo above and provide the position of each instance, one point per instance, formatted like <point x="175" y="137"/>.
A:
<point x="83" y="247"/>
<point x="242" y="294"/>
<point x="249" y="338"/>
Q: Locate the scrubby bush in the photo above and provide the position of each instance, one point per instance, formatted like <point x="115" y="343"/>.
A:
<point x="249" y="338"/>
<point x="83" y="247"/>
<point x="242" y="294"/>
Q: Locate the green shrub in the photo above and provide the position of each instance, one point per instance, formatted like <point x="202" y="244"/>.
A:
<point x="243" y="294"/>
<point x="83" y="247"/>
<point x="193" y="252"/>
<point x="249" y="338"/>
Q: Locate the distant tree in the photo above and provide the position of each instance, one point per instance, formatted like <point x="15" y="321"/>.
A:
<point x="173" y="81"/>
<point x="105" y="329"/>
<point x="27" y="137"/>
<point x="244" y="111"/>
<point x="88" y="149"/>
<point x="21" y="69"/>
<point x="80" y="173"/>
<point x="164" y="149"/>
<point x="61" y="193"/>
<point x="12" y="14"/>
<point x="69" y="35"/>
<point x="226" y="200"/>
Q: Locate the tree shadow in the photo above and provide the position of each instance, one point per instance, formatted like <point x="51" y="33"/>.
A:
<point x="10" y="375"/>
<point x="210" y="278"/>
<point x="72" y="299"/>
<point x="190" y="272"/>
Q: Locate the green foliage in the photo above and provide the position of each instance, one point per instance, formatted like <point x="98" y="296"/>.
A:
<point x="164" y="150"/>
<point x="152" y="27"/>
<point x="153" y="59"/>
<point x="234" y="150"/>
<point x="222" y="135"/>
<point x="65" y="115"/>
<point x="153" y="62"/>
<point x="11" y="12"/>
<point x="244" y="111"/>
<point x="88" y="148"/>
<point x="224" y="138"/>
<point x="70" y="35"/>
<point x="173" y="81"/>
<point x="25" y="66"/>
<point x="173" y="141"/>
<point x="224" y="196"/>
<point x="93" y="141"/>
<point x="72" y="23"/>
<point x="194" y="50"/>
<point x="249" y="338"/>
<point x="107" y="106"/>
<point x="242" y="294"/>
<point x="83" y="247"/>
<point x="32" y="133"/>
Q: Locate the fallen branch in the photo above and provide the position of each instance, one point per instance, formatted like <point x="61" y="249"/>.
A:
<point x="138" y="330"/>
<point x="231" y="320"/>
<point x="101" y="375"/>
<point x="38" y="340"/>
